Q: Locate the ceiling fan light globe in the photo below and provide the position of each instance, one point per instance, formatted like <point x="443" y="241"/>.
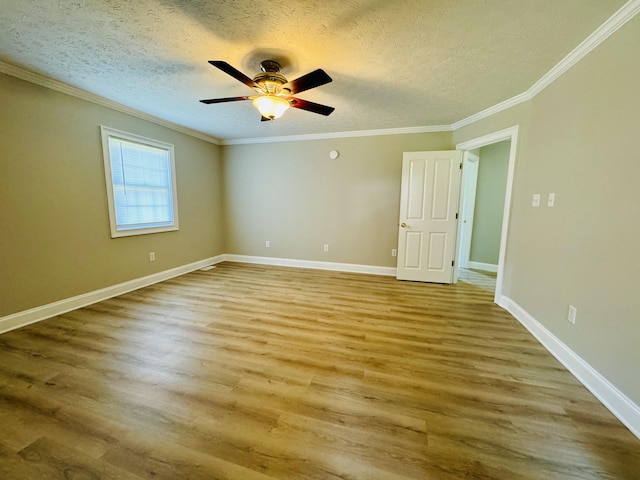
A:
<point x="270" y="106"/>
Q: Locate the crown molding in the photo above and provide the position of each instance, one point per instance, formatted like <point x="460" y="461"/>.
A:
<point x="61" y="87"/>
<point x="511" y="102"/>
<point x="349" y="134"/>
<point x="604" y="31"/>
<point x="608" y="28"/>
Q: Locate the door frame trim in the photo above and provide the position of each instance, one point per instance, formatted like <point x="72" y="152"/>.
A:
<point x="510" y="133"/>
<point x="468" y="184"/>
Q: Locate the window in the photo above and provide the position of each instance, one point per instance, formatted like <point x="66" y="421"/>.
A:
<point x="141" y="185"/>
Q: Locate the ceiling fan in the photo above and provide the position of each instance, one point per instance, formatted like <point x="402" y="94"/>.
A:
<point x="275" y="92"/>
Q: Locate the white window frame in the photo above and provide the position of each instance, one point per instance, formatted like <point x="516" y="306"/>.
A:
<point x="126" y="231"/>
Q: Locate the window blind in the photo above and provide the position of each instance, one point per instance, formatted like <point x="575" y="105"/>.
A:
<point x="142" y="186"/>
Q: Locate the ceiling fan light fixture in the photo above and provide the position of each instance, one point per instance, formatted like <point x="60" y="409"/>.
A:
<point x="275" y="92"/>
<point x="270" y="106"/>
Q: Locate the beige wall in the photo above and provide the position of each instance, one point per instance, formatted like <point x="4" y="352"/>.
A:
<point x="489" y="205"/>
<point x="54" y="235"/>
<point x="579" y="142"/>
<point x="576" y="139"/>
<point x="293" y="195"/>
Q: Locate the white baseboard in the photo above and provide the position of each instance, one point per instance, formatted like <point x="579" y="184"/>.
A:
<point x="487" y="267"/>
<point x="339" y="267"/>
<point x="27" y="317"/>
<point x="617" y="402"/>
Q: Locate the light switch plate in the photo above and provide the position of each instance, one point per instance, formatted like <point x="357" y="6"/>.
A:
<point x="552" y="200"/>
<point x="536" y="200"/>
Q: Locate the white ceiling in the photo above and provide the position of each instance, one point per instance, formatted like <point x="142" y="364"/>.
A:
<point x="394" y="64"/>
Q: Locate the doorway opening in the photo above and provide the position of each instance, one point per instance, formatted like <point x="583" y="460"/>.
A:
<point x="483" y="262"/>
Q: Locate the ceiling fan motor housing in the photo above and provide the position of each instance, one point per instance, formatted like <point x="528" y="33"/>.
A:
<point x="270" y="80"/>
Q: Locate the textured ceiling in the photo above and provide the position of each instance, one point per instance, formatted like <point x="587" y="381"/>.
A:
<point x="407" y="63"/>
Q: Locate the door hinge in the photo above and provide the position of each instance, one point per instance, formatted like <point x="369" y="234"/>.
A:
<point x="456" y="216"/>
<point x="461" y="166"/>
<point x="453" y="262"/>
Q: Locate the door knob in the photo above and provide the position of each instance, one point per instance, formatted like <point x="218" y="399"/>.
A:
<point x="403" y="225"/>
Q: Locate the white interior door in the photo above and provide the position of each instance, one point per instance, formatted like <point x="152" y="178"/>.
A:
<point x="428" y="210"/>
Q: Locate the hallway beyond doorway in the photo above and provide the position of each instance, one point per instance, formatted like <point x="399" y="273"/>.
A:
<point x="479" y="278"/>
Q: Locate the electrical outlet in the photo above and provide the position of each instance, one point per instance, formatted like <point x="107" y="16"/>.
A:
<point x="394" y="252"/>
<point x="267" y="244"/>
<point x="571" y="315"/>
<point x="152" y="256"/>
<point x="552" y="200"/>
<point x="326" y="247"/>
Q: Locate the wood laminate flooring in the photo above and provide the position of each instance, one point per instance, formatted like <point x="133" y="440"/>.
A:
<point x="253" y="372"/>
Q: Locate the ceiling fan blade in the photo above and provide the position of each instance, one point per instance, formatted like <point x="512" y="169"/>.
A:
<point x="310" y="106"/>
<point x="237" y="74"/>
<point x="223" y="100"/>
<point x="310" y="80"/>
